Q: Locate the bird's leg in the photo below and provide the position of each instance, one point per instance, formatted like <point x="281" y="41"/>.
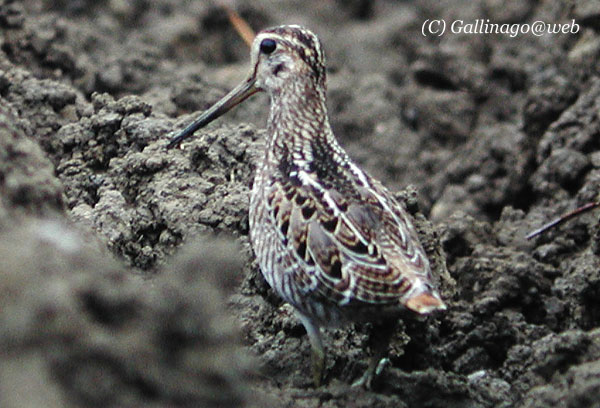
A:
<point x="318" y="352"/>
<point x="379" y="341"/>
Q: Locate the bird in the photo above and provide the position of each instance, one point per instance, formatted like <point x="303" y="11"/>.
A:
<point x="330" y="240"/>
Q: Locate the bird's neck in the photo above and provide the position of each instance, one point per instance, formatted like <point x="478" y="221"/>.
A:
<point x="298" y="127"/>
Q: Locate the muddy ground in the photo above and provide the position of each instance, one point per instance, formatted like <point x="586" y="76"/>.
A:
<point x="126" y="274"/>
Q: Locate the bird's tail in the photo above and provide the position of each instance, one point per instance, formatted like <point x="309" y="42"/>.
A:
<point x="425" y="302"/>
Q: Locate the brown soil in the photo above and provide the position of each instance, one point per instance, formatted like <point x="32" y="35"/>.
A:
<point x="114" y="290"/>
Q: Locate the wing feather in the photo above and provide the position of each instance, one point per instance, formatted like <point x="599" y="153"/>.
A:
<point x="352" y="250"/>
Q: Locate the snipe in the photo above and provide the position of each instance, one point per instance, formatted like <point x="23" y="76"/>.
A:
<point x="330" y="240"/>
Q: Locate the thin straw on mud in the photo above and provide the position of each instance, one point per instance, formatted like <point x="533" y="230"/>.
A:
<point x="240" y="25"/>
<point x="563" y="218"/>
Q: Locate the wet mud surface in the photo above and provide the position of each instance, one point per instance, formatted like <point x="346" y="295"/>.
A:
<point x="126" y="277"/>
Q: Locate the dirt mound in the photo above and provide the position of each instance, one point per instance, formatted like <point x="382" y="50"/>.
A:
<point x="497" y="134"/>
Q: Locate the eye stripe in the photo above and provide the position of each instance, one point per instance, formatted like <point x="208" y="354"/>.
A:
<point x="277" y="69"/>
<point x="302" y="44"/>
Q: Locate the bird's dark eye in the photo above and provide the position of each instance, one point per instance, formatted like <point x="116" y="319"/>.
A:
<point x="267" y="46"/>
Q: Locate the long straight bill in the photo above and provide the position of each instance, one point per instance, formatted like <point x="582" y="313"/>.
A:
<point x="236" y="96"/>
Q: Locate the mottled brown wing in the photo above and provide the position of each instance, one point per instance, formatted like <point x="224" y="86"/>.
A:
<point x="370" y="254"/>
<point x="352" y="251"/>
<point x="291" y="209"/>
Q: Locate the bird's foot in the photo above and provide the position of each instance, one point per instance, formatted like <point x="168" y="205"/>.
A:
<point x="375" y="368"/>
